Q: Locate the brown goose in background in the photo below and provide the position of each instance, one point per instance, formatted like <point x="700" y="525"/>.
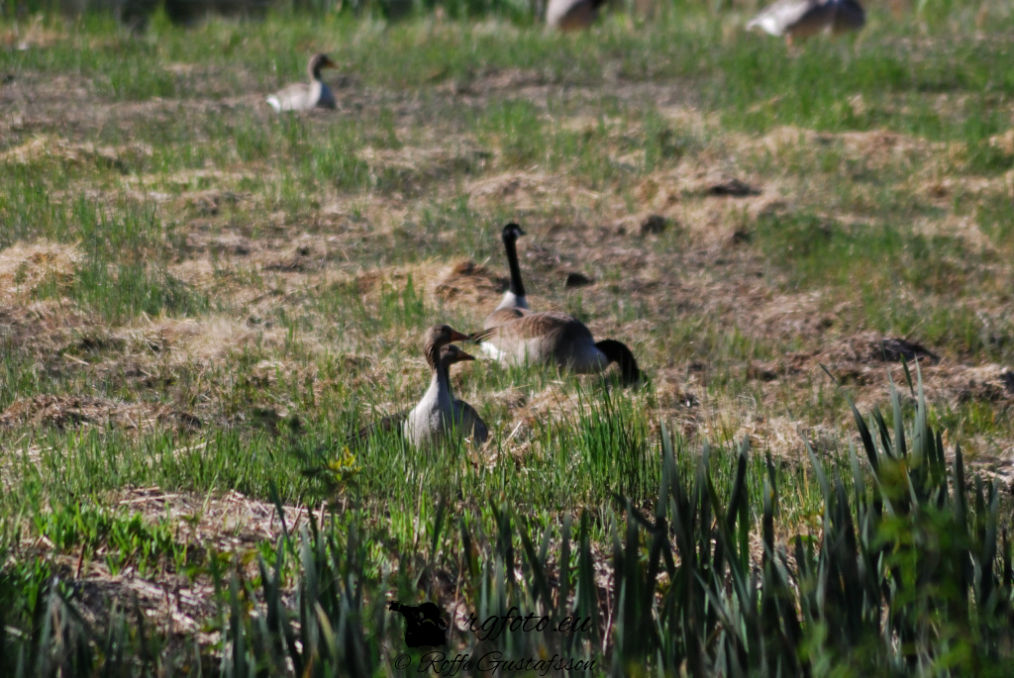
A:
<point x="514" y="303"/>
<point x="558" y="339"/>
<point x="513" y="334"/>
<point x="572" y="15"/>
<point x="796" y="19"/>
<point x="438" y="411"/>
<point x="303" y="96"/>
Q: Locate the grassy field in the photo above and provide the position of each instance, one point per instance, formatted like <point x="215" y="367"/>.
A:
<point x="199" y="299"/>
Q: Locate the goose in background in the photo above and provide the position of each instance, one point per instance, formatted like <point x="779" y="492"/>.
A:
<point x="514" y="303"/>
<point x="558" y="339"/>
<point x="798" y="19"/>
<point x="438" y="412"/>
<point x="572" y="15"/>
<point x="303" y="96"/>
<point x="512" y="334"/>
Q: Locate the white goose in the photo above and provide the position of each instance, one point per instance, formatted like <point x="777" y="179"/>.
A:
<point x="572" y="15"/>
<point x="303" y="96"/>
<point x="797" y="19"/>
<point x="515" y="335"/>
<point x="438" y="412"/>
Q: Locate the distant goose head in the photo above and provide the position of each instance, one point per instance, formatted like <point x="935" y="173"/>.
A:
<point x="511" y="232"/>
<point x="317" y="63"/>
<point x="516" y="291"/>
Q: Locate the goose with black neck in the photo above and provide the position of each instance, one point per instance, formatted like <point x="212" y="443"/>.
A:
<point x="513" y="334"/>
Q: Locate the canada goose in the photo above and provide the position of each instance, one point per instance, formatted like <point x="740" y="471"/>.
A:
<point x="514" y="303"/>
<point x="558" y="339"/>
<point x="572" y="15"/>
<point x="515" y="335"/>
<point x="302" y="96"/>
<point x="803" y="18"/>
<point x="438" y="411"/>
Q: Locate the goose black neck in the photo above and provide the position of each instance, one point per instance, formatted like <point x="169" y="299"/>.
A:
<point x="517" y="287"/>
<point x="617" y="352"/>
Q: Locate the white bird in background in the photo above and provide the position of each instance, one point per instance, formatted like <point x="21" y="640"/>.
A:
<point x="303" y="96"/>
<point x="572" y="15"/>
<point x="798" y="19"/>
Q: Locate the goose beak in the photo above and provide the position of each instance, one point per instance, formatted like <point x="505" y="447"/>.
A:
<point x="465" y="356"/>
<point x="478" y="337"/>
<point x="458" y="336"/>
<point x="328" y="63"/>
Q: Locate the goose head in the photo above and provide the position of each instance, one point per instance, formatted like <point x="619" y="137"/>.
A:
<point x="436" y="338"/>
<point x="452" y="354"/>
<point x="511" y="232"/>
<point x="317" y="63"/>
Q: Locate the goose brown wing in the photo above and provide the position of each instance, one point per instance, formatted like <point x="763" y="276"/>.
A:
<point x="503" y="316"/>
<point x="537" y="325"/>
<point x="545" y="325"/>
<point x="545" y="336"/>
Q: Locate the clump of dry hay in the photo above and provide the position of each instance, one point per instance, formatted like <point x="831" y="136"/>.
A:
<point x="50" y="146"/>
<point x="461" y="282"/>
<point x="523" y="191"/>
<point x="24" y="267"/>
<point x="467" y="281"/>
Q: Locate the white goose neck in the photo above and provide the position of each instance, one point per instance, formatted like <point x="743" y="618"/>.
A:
<point x="511" y="300"/>
<point x="439" y="392"/>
